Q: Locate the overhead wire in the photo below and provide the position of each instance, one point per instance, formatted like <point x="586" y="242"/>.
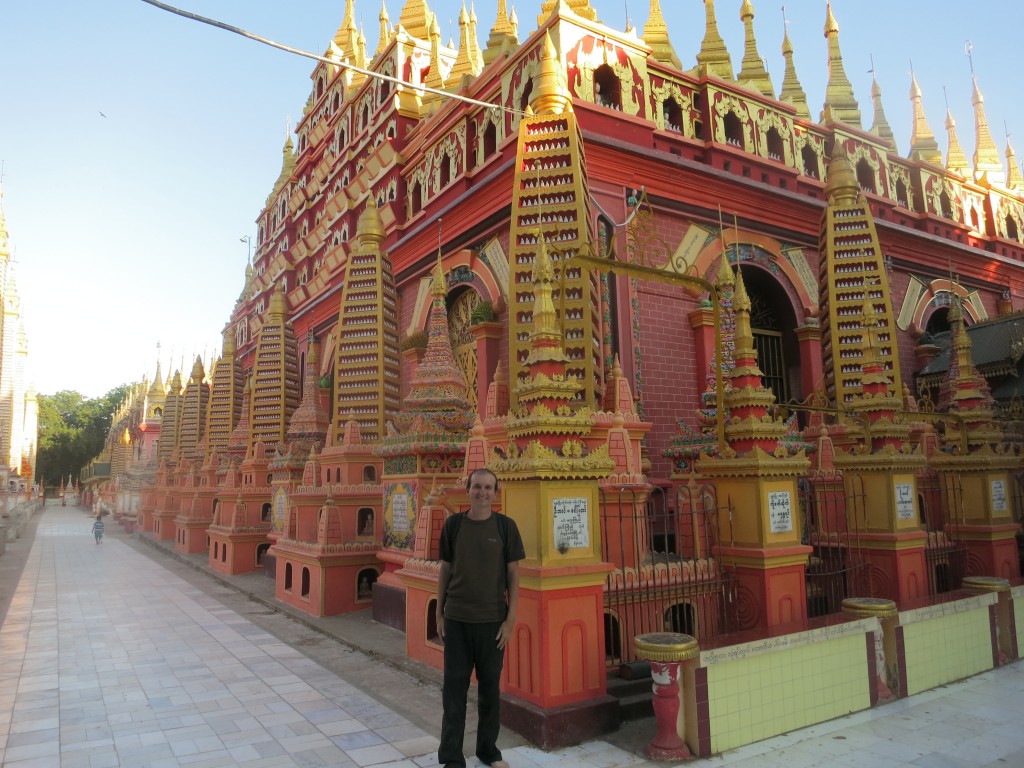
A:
<point x="343" y="64"/>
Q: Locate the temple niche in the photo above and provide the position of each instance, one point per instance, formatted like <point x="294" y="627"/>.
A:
<point x="742" y="373"/>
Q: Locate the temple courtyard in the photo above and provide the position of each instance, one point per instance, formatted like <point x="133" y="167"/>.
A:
<point x="127" y="654"/>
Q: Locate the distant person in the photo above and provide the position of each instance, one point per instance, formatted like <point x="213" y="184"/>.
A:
<point x="97" y="529"/>
<point x="477" y="598"/>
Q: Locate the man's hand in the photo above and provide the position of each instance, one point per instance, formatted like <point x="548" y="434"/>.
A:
<point x="504" y="633"/>
<point x="439" y="621"/>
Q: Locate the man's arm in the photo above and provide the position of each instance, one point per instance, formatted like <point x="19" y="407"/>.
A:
<point x="442" y="592"/>
<point x="512" y="588"/>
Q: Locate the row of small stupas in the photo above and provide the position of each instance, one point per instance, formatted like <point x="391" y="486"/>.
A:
<point x="19" y="409"/>
<point x="692" y="138"/>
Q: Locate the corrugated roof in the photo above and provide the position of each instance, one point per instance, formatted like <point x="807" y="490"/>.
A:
<point x="1000" y="340"/>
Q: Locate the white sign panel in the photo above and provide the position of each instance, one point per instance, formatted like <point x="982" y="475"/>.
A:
<point x="571" y="524"/>
<point x="905" y="501"/>
<point x="400" y="512"/>
<point x="998" y="495"/>
<point x="780" y="512"/>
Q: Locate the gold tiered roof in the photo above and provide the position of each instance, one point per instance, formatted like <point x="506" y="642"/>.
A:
<point x="192" y="421"/>
<point x="366" y="363"/>
<point x="275" y="375"/>
<point x="169" y="427"/>
<point x="551" y="205"/>
<point x="852" y="273"/>
<point x="225" y="396"/>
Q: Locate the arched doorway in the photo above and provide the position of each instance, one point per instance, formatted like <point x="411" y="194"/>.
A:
<point x="772" y="322"/>
<point x="460" y="318"/>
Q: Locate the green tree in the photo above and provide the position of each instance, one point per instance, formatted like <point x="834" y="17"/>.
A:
<point x="72" y="430"/>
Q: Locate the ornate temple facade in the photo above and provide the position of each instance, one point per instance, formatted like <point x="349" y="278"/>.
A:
<point x="690" y="326"/>
<point x="19" y="410"/>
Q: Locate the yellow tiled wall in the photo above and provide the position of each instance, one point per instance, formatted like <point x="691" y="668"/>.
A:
<point x="946" y="648"/>
<point x="767" y="694"/>
<point x="1018" y="619"/>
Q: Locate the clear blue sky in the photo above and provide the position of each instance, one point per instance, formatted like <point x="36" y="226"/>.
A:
<point x="126" y="227"/>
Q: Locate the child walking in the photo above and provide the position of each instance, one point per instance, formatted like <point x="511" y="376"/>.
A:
<point x="97" y="529"/>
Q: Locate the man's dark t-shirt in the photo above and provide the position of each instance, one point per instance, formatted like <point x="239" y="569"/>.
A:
<point x="476" y="588"/>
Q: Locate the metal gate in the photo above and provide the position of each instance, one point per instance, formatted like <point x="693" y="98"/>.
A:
<point x="665" y="577"/>
<point x="835" y="568"/>
<point x="940" y="501"/>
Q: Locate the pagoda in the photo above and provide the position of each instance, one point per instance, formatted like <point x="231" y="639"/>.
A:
<point x="425" y="445"/>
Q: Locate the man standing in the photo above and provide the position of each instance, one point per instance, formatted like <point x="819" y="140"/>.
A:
<point x="477" y="597"/>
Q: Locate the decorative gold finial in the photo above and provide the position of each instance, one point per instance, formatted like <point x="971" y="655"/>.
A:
<point x="752" y="69"/>
<point x="552" y="96"/>
<point x="792" y="92"/>
<point x="840" y="103"/>
<point x="987" y="164"/>
<point x="713" y="55"/>
<point x="656" y="36"/>
<point x="841" y="187"/>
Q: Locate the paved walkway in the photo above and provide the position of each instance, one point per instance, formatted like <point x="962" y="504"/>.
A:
<point x="116" y="655"/>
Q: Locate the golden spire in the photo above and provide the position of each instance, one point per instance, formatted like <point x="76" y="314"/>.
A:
<point x="725" y="274"/>
<point x="752" y="70"/>
<point x="278" y="305"/>
<point x="369" y="228"/>
<point x="463" y="65"/>
<point x="923" y="146"/>
<point x="415" y="19"/>
<point x="438" y="287"/>
<point x="476" y="56"/>
<point x="713" y="53"/>
<point x="384" y="36"/>
<point x="4" y="243"/>
<point x="434" y="77"/>
<point x="840" y="103"/>
<point x="345" y="37"/>
<point x="841" y="187"/>
<point x="792" y="92"/>
<point x="513" y="19"/>
<point x="956" y="160"/>
<point x="580" y="7"/>
<point x="744" y="336"/>
<point x="986" y="157"/>
<point x="656" y="36"/>
<point x="1013" y="178"/>
<point x="361" y="60"/>
<point x="287" y="165"/>
<point x="552" y="95"/>
<point x="545" y="321"/>
<point x="502" y="33"/>
<point x="879" y="125"/>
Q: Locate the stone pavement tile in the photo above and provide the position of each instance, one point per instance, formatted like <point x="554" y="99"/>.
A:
<point x="417" y="746"/>
<point x="357" y="740"/>
<point x="50" y="749"/>
<point x="341" y="727"/>
<point x="374" y="755"/>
